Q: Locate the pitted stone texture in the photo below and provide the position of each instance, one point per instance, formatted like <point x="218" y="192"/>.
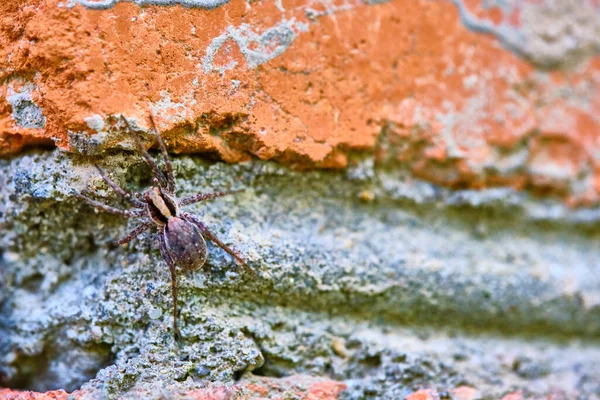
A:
<point x="363" y="278"/>
<point x="309" y="84"/>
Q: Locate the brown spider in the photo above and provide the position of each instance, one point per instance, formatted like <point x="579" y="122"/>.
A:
<point x="180" y="234"/>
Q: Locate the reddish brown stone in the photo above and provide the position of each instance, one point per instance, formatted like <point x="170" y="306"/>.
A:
<point x="426" y="394"/>
<point x="518" y="395"/>
<point x="217" y="393"/>
<point x="8" y="394"/>
<point x="295" y="386"/>
<point x="262" y="390"/>
<point x="326" y="390"/>
<point x="459" y="109"/>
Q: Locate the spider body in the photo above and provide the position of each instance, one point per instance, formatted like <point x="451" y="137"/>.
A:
<point x="182" y="239"/>
<point x="181" y="236"/>
<point x="185" y="244"/>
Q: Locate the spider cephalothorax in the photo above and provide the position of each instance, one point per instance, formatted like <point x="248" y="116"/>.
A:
<point x="181" y="236"/>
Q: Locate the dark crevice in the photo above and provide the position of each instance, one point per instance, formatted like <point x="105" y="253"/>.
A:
<point x="276" y="368"/>
<point x="269" y="371"/>
<point x="28" y="368"/>
<point x="237" y="375"/>
<point x="34" y="282"/>
<point x="373" y="361"/>
<point x="271" y="367"/>
<point x="57" y="367"/>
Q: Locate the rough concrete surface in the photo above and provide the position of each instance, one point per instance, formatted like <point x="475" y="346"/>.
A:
<point x="370" y="280"/>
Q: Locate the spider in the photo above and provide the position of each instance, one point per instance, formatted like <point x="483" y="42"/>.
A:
<point x="181" y="235"/>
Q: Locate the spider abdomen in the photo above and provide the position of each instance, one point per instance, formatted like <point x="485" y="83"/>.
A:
<point x="185" y="243"/>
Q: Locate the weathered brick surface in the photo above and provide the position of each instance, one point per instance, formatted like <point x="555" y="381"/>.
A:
<point x="309" y="83"/>
<point x="296" y="386"/>
<point x="8" y="394"/>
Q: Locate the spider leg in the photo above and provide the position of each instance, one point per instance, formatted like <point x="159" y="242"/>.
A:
<point x="163" y="149"/>
<point x="134" y="233"/>
<point x="158" y="173"/>
<point x="118" y="189"/>
<point x="203" y="196"/>
<point x="107" y="208"/>
<point x="210" y="236"/>
<point x="171" y="264"/>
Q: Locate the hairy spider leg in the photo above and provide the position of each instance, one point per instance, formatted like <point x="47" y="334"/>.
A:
<point x="134" y="233"/>
<point x="210" y="236"/>
<point x="158" y="173"/>
<point x="171" y="264"/>
<point x="163" y="149"/>
<point x="133" y="201"/>
<point x="107" y="208"/>
<point x="203" y="196"/>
